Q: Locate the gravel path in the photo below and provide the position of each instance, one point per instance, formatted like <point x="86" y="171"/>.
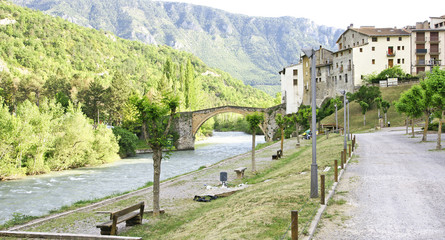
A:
<point x="395" y="191"/>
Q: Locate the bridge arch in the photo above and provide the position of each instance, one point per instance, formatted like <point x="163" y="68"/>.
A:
<point x="200" y="117"/>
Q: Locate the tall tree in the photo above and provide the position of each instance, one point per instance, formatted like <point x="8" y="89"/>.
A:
<point x="156" y="113"/>
<point x="93" y="100"/>
<point x="281" y="122"/>
<point x="116" y="97"/>
<point x="190" y="91"/>
<point x="254" y="119"/>
<point x="385" y="105"/>
<point x="409" y="103"/>
<point x="364" y="106"/>
<point x="435" y="84"/>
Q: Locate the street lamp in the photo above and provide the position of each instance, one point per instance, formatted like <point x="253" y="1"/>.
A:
<point x="310" y="53"/>
<point x="343" y="92"/>
<point x="336" y="121"/>
<point x="347" y="102"/>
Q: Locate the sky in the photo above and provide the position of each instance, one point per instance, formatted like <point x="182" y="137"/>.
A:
<point x="339" y="14"/>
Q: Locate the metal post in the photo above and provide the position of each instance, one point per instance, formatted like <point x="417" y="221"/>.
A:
<point x="341" y="160"/>
<point x="336" y="170"/>
<point x="314" y="167"/>
<point x="336" y="120"/>
<point x="348" y="120"/>
<point x="294" y="225"/>
<point x="322" y="190"/>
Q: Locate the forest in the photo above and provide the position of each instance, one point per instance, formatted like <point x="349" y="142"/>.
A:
<point x="62" y="84"/>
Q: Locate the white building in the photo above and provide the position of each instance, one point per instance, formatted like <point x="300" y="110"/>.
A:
<point x="292" y="87"/>
<point x="368" y="50"/>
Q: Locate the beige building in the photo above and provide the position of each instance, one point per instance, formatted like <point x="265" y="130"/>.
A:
<point x="369" y="50"/>
<point x="428" y="41"/>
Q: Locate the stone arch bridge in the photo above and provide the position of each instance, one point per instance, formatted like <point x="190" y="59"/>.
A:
<point x="188" y="123"/>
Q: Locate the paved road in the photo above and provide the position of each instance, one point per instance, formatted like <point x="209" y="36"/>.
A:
<point x="396" y="191"/>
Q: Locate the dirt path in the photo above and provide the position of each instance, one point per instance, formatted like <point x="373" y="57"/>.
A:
<point x="396" y="190"/>
<point x="176" y="194"/>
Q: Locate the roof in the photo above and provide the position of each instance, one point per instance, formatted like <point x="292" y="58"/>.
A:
<point x="373" y="32"/>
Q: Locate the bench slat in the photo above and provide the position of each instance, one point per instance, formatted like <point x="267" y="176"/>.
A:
<point x="120" y="219"/>
<point x="127" y="210"/>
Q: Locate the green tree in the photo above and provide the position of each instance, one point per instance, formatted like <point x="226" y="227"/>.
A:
<point x="116" y="97"/>
<point x="378" y="103"/>
<point x="435" y="84"/>
<point x="127" y="141"/>
<point x="281" y="122"/>
<point x="364" y="106"/>
<point x="156" y="113"/>
<point x="254" y="119"/>
<point x="366" y="94"/>
<point x="385" y="105"/>
<point x="93" y="99"/>
<point x="409" y="103"/>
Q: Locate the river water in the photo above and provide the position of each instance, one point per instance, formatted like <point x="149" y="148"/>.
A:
<point x="38" y="195"/>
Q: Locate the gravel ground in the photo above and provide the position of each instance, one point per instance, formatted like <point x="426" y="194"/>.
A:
<point x="175" y="194"/>
<point x="396" y="190"/>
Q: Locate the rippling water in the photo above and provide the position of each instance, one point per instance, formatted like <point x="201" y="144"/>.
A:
<point x="37" y="195"/>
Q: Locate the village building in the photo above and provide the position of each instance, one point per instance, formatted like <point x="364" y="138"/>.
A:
<point x="428" y="39"/>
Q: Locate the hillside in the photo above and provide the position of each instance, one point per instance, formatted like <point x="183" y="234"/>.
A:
<point x="252" y="49"/>
<point x="42" y="56"/>
<point x="356" y="117"/>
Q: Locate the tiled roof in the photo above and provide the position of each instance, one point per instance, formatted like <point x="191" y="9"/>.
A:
<point x="371" y="31"/>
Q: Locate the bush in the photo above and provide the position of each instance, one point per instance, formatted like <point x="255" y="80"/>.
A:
<point x="127" y="141"/>
<point x="434" y="126"/>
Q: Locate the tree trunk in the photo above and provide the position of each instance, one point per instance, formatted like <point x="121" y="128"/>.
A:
<point x="298" y="133"/>
<point x="412" y="126"/>
<point x="378" y="113"/>
<point x="439" y="132"/>
<point x="364" y="119"/>
<point x="425" y="129"/>
<point x="336" y="120"/>
<point x="406" y="124"/>
<point x="386" y="120"/>
<point x="253" y="152"/>
<point x="157" y="158"/>
<point x="282" y="139"/>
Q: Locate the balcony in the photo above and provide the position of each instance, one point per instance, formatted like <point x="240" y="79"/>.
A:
<point x="432" y="62"/>
<point x="435" y="39"/>
<point x="391" y="53"/>
<point x="421" y="51"/>
<point x="421" y="62"/>
<point x="341" y="69"/>
<point x="421" y="39"/>
<point x="434" y="51"/>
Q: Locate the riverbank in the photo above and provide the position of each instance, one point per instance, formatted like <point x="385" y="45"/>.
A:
<point x="260" y="211"/>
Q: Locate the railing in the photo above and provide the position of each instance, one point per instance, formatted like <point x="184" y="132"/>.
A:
<point x="421" y="51"/>
<point x="421" y="39"/>
<point x="390" y="53"/>
<point x="431" y="62"/>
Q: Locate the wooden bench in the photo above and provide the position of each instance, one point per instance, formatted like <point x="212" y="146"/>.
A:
<point x="240" y="172"/>
<point x="128" y="215"/>
<point x="274" y="157"/>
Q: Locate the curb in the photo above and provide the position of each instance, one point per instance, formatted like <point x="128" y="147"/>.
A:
<point x="317" y="217"/>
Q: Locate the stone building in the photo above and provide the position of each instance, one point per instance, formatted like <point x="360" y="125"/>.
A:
<point x="428" y="41"/>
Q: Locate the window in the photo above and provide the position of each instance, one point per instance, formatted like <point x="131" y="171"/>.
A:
<point x="336" y="55"/>
<point x="363" y="41"/>
<point x="353" y="44"/>
<point x="403" y="47"/>
<point x="295" y="82"/>
<point x="337" y="65"/>
<point x="388" y="39"/>
<point x="373" y="61"/>
<point x="349" y="50"/>
<point x="400" y="38"/>
<point x="295" y="72"/>
<point x="346" y="78"/>
<point x="340" y="46"/>
<point x="374" y="39"/>
<point x="361" y="49"/>
<point x="339" y="77"/>
<point x="373" y="48"/>
<point x="353" y="35"/>
<point x="398" y="61"/>
<point x="398" y="48"/>
<point x="341" y="54"/>
<point x="403" y="61"/>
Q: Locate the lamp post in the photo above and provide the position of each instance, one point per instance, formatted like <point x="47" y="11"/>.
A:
<point x="310" y="53"/>
<point x="347" y="102"/>
<point x="343" y="92"/>
<point x="336" y="121"/>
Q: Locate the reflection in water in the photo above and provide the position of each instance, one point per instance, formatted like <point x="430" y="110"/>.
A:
<point x="37" y="195"/>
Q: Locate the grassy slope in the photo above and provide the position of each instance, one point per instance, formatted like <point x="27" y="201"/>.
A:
<point x="261" y="211"/>
<point x="356" y="117"/>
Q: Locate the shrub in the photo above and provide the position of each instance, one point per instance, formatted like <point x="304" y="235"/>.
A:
<point x="127" y="141"/>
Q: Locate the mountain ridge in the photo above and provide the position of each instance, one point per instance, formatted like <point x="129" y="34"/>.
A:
<point x="250" y="48"/>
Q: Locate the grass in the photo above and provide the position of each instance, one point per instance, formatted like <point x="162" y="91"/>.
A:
<point x="356" y="117"/>
<point x="262" y="211"/>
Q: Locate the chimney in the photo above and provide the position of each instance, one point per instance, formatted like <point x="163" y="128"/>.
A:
<point x="351" y="26"/>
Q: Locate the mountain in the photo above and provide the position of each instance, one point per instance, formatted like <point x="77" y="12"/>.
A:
<point x="252" y="49"/>
<point x="43" y="56"/>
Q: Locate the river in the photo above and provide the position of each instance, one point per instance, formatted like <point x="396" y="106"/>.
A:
<point x="37" y="195"/>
